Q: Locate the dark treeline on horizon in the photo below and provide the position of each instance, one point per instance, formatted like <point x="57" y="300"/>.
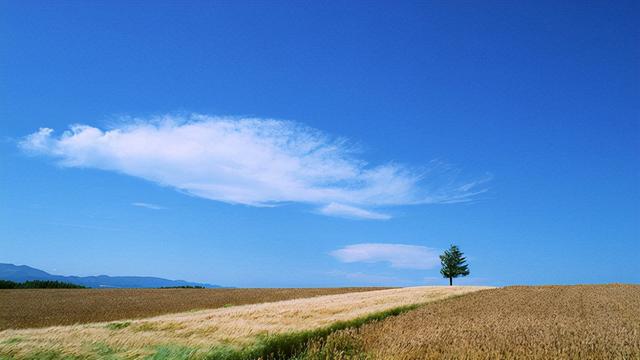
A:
<point x="39" y="284"/>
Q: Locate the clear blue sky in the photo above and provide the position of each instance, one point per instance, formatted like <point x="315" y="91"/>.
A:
<point x="531" y="109"/>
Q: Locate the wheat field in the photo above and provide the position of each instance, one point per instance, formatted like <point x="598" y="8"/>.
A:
<point x="31" y="308"/>
<point x="517" y="322"/>
<point x="234" y="326"/>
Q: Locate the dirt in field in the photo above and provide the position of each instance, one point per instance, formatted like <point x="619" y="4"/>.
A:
<point x="27" y="308"/>
<point x="538" y="322"/>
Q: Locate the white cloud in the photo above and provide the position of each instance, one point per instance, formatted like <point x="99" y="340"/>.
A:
<point x="398" y="255"/>
<point x="347" y="211"/>
<point x="148" y="206"/>
<point x="253" y="162"/>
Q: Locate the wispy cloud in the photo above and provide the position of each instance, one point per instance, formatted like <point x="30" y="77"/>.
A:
<point x="148" y="206"/>
<point x="347" y="211"/>
<point x="397" y="255"/>
<point x="258" y="162"/>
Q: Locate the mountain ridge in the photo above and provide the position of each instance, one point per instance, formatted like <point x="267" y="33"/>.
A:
<point x="21" y="273"/>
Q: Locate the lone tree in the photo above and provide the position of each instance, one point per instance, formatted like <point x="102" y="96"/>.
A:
<point x="453" y="264"/>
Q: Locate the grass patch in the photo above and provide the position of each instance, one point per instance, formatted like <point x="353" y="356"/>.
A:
<point x="118" y="325"/>
<point x="105" y="352"/>
<point x="223" y="352"/>
<point x="227" y="305"/>
<point x="52" y="355"/>
<point x="13" y="340"/>
<point x="173" y="352"/>
<point x="157" y="326"/>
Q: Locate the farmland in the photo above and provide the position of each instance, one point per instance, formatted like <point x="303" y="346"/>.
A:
<point x="523" y="322"/>
<point x="207" y="332"/>
<point x="540" y="322"/>
<point x="29" y="308"/>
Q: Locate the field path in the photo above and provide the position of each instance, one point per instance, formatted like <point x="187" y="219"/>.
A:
<point x="237" y="325"/>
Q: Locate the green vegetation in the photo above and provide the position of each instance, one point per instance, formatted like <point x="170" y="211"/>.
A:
<point x="173" y="352"/>
<point x="453" y="264"/>
<point x="105" y="352"/>
<point x="48" y="355"/>
<point x="118" y="325"/>
<point x="12" y="340"/>
<point x="38" y="284"/>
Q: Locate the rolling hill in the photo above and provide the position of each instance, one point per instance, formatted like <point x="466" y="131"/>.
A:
<point x="21" y="273"/>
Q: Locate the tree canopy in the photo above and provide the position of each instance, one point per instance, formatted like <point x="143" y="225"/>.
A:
<point x="454" y="264"/>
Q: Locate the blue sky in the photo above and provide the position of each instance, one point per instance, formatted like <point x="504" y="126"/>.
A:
<point x="321" y="144"/>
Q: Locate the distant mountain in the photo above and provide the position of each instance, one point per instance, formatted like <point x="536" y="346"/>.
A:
<point x="21" y="273"/>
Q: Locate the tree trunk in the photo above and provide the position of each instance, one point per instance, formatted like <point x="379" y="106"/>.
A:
<point x="450" y="280"/>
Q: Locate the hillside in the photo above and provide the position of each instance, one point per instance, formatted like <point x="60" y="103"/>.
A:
<point x="22" y="273"/>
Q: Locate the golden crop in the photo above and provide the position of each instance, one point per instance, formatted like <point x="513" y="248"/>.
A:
<point x="538" y="322"/>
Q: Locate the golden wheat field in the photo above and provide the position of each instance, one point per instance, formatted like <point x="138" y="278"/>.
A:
<point x="538" y="322"/>
<point x="201" y="330"/>
<point x="29" y="308"/>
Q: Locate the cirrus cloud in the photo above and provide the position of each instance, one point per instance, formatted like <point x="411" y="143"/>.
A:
<point x="148" y="206"/>
<point x="257" y="162"/>
<point x="347" y="211"/>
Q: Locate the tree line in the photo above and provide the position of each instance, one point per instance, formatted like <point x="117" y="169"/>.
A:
<point x="38" y="284"/>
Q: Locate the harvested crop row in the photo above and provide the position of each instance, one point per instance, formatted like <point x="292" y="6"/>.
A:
<point x="541" y="322"/>
<point x="201" y="330"/>
<point x="29" y="308"/>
